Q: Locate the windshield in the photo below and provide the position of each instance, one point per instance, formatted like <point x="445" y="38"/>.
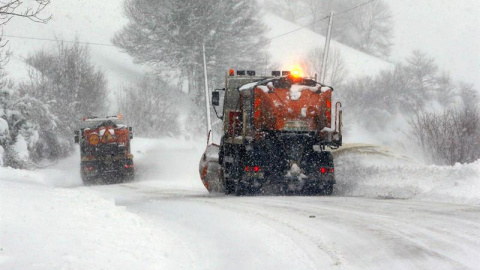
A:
<point x="94" y="123"/>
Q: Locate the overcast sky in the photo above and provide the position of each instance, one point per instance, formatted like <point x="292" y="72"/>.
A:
<point x="448" y="30"/>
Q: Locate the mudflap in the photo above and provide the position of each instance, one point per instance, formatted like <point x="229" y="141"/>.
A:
<point x="210" y="170"/>
<point x="97" y="172"/>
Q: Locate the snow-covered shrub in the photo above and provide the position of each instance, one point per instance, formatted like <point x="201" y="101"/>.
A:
<point x="72" y="87"/>
<point x="449" y="137"/>
<point x="26" y="126"/>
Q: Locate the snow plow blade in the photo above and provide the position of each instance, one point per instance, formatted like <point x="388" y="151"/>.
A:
<point x="210" y="169"/>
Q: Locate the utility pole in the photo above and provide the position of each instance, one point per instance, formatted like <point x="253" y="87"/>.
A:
<point x="326" y="49"/>
<point x="207" y="98"/>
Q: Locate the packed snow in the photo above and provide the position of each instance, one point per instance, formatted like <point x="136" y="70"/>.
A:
<point x="166" y="219"/>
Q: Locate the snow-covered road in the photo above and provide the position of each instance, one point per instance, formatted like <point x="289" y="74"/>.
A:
<point x="167" y="220"/>
<point x="218" y="232"/>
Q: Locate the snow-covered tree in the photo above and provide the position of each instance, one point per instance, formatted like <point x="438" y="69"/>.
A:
<point x="169" y="34"/>
<point x="65" y="79"/>
<point x="19" y="132"/>
<point x="28" y="130"/>
<point x="409" y="88"/>
<point x="152" y="107"/>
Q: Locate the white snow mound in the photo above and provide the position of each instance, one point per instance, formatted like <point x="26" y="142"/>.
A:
<point x="370" y="171"/>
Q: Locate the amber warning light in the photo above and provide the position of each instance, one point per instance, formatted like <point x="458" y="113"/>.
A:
<point x="296" y="71"/>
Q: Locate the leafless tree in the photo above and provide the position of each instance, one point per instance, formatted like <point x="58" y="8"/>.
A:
<point x="449" y="137"/>
<point x="336" y="67"/>
<point x="410" y="87"/>
<point x="169" y="35"/>
<point x="18" y="8"/>
<point x="9" y="9"/>
<point x="367" y="28"/>
<point x="152" y="107"/>
<point x="469" y="96"/>
<point x="287" y="9"/>
<point x="64" y="77"/>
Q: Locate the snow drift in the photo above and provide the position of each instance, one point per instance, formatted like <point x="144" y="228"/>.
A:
<point x="375" y="172"/>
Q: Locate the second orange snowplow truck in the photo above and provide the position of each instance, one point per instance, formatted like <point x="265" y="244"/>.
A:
<point x="105" y="150"/>
<point x="276" y="130"/>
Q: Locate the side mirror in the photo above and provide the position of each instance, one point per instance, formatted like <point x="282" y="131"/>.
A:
<point x="215" y="98"/>
<point x="77" y="137"/>
<point x="216" y="101"/>
<point x="130" y="129"/>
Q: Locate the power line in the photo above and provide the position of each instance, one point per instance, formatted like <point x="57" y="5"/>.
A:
<point x="61" y="40"/>
<point x="317" y="21"/>
<point x="355" y="7"/>
<point x="111" y="45"/>
<point x="295" y="30"/>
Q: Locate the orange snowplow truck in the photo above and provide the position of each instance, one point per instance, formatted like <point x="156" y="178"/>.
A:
<point x="276" y="130"/>
<point x="105" y="150"/>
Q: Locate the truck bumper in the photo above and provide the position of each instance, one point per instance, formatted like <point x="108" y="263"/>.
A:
<point x="293" y="183"/>
<point x="107" y="170"/>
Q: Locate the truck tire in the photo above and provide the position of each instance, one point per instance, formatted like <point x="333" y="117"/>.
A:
<point x="240" y="189"/>
<point x="231" y="168"/>
<point x="327" y="190"/>
<point x="87" y="181"/>
<point x="229" y="186"/>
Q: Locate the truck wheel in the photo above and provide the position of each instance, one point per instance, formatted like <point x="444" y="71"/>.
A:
<point x="240" y="189"/>
<point x="311" y="191"/>
<point x="87" y="181"/>
<point x="327" y="190"/>
<point x="127" y="178"/>
<point x="229" y="186"/>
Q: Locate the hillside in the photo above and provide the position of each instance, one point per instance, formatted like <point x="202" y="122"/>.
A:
<point x="288" y="49"/>
<point x="97" y="21"/>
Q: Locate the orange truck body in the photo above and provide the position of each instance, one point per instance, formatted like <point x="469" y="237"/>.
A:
<point x="276" y="110"/>
<point x="105" y="150"/>
<point x="276" y="131"/>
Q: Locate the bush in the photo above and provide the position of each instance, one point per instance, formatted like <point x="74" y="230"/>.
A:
<point x="449" y="137"/>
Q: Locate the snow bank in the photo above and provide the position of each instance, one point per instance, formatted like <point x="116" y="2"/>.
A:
<point x="76" y="229"/>
<point x="65" y="173"/>
<point x="369" y="171"/>
<point x="49" y="215"/>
